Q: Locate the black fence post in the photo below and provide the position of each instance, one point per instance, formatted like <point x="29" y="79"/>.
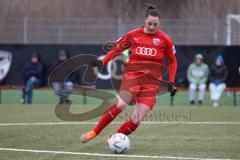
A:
<point x="84" y="96"/>
<point x="235" y="98"/>
<point x="172" y="100"/>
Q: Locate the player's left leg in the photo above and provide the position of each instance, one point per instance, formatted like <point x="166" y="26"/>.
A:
<point x="142" y="108"/>
<point x="145" y="100"/>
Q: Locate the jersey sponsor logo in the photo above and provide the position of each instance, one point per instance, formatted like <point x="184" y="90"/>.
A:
<point x="146" y="51"/>
<point x="5" y="64"/>
<point x="156" y="41"/>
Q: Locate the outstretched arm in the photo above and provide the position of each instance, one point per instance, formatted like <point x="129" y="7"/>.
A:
<point x="122" y="44"/>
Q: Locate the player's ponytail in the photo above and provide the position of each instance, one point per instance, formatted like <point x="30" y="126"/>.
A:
<point x="151" y="10"/>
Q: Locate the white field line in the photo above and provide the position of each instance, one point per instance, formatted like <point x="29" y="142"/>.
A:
<point x="146" y="122"/>
<point x="105" y="155"/>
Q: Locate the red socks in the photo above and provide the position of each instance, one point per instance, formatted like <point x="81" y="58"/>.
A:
<point x="107" y="117"/>
<point x="128" y="127"/>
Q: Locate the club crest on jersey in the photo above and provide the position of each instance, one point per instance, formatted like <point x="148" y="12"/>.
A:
<point x="156" y="41"/>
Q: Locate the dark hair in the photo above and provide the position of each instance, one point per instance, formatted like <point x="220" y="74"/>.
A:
<point x="151" y="10"/>
<point x="64" y="52"/>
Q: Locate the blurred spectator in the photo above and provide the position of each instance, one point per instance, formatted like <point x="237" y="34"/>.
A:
<point x="197" y="75"/>
<point x="126" y="55"/>
<point x="63" y="90"/>
<point x="33" y="73"/>
<point x="218" y="74"/>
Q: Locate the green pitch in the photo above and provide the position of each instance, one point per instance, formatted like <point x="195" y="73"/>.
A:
<point x="179" y="132"/>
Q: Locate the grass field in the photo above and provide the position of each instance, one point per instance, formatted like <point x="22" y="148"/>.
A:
<point x="181" y="132"/>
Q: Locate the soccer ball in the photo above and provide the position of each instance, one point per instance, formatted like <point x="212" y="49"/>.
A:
<point x="119" y="143"/>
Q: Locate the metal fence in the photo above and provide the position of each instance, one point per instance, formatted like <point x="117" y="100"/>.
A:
<point x="97" y="31"/>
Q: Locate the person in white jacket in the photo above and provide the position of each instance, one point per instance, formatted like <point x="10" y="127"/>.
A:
<point x="197" y="75"/>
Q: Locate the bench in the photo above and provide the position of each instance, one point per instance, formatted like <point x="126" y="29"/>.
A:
<point x="20" y="87"/>
<point x="231" y="89"/>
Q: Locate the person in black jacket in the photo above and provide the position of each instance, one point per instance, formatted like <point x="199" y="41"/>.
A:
<point x="33" y="74"/>
<point x="218" y="74"/>
<point x="63" y="90"/>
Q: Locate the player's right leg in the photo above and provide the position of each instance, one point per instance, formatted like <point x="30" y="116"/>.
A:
<point x="145" y="100"/>
<point x="140" y="112"/>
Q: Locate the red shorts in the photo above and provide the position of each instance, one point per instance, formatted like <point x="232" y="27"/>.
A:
<point x="149" y="101"/>
<point x="143" y="89"/>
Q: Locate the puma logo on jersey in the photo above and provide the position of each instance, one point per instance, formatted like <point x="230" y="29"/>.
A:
<point x="136" y="39"/>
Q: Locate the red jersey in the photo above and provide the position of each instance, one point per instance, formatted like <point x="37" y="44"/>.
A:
<point x="146" y="48"/>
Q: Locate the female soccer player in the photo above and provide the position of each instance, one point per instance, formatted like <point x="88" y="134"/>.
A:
<point x="143" y="74"/>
